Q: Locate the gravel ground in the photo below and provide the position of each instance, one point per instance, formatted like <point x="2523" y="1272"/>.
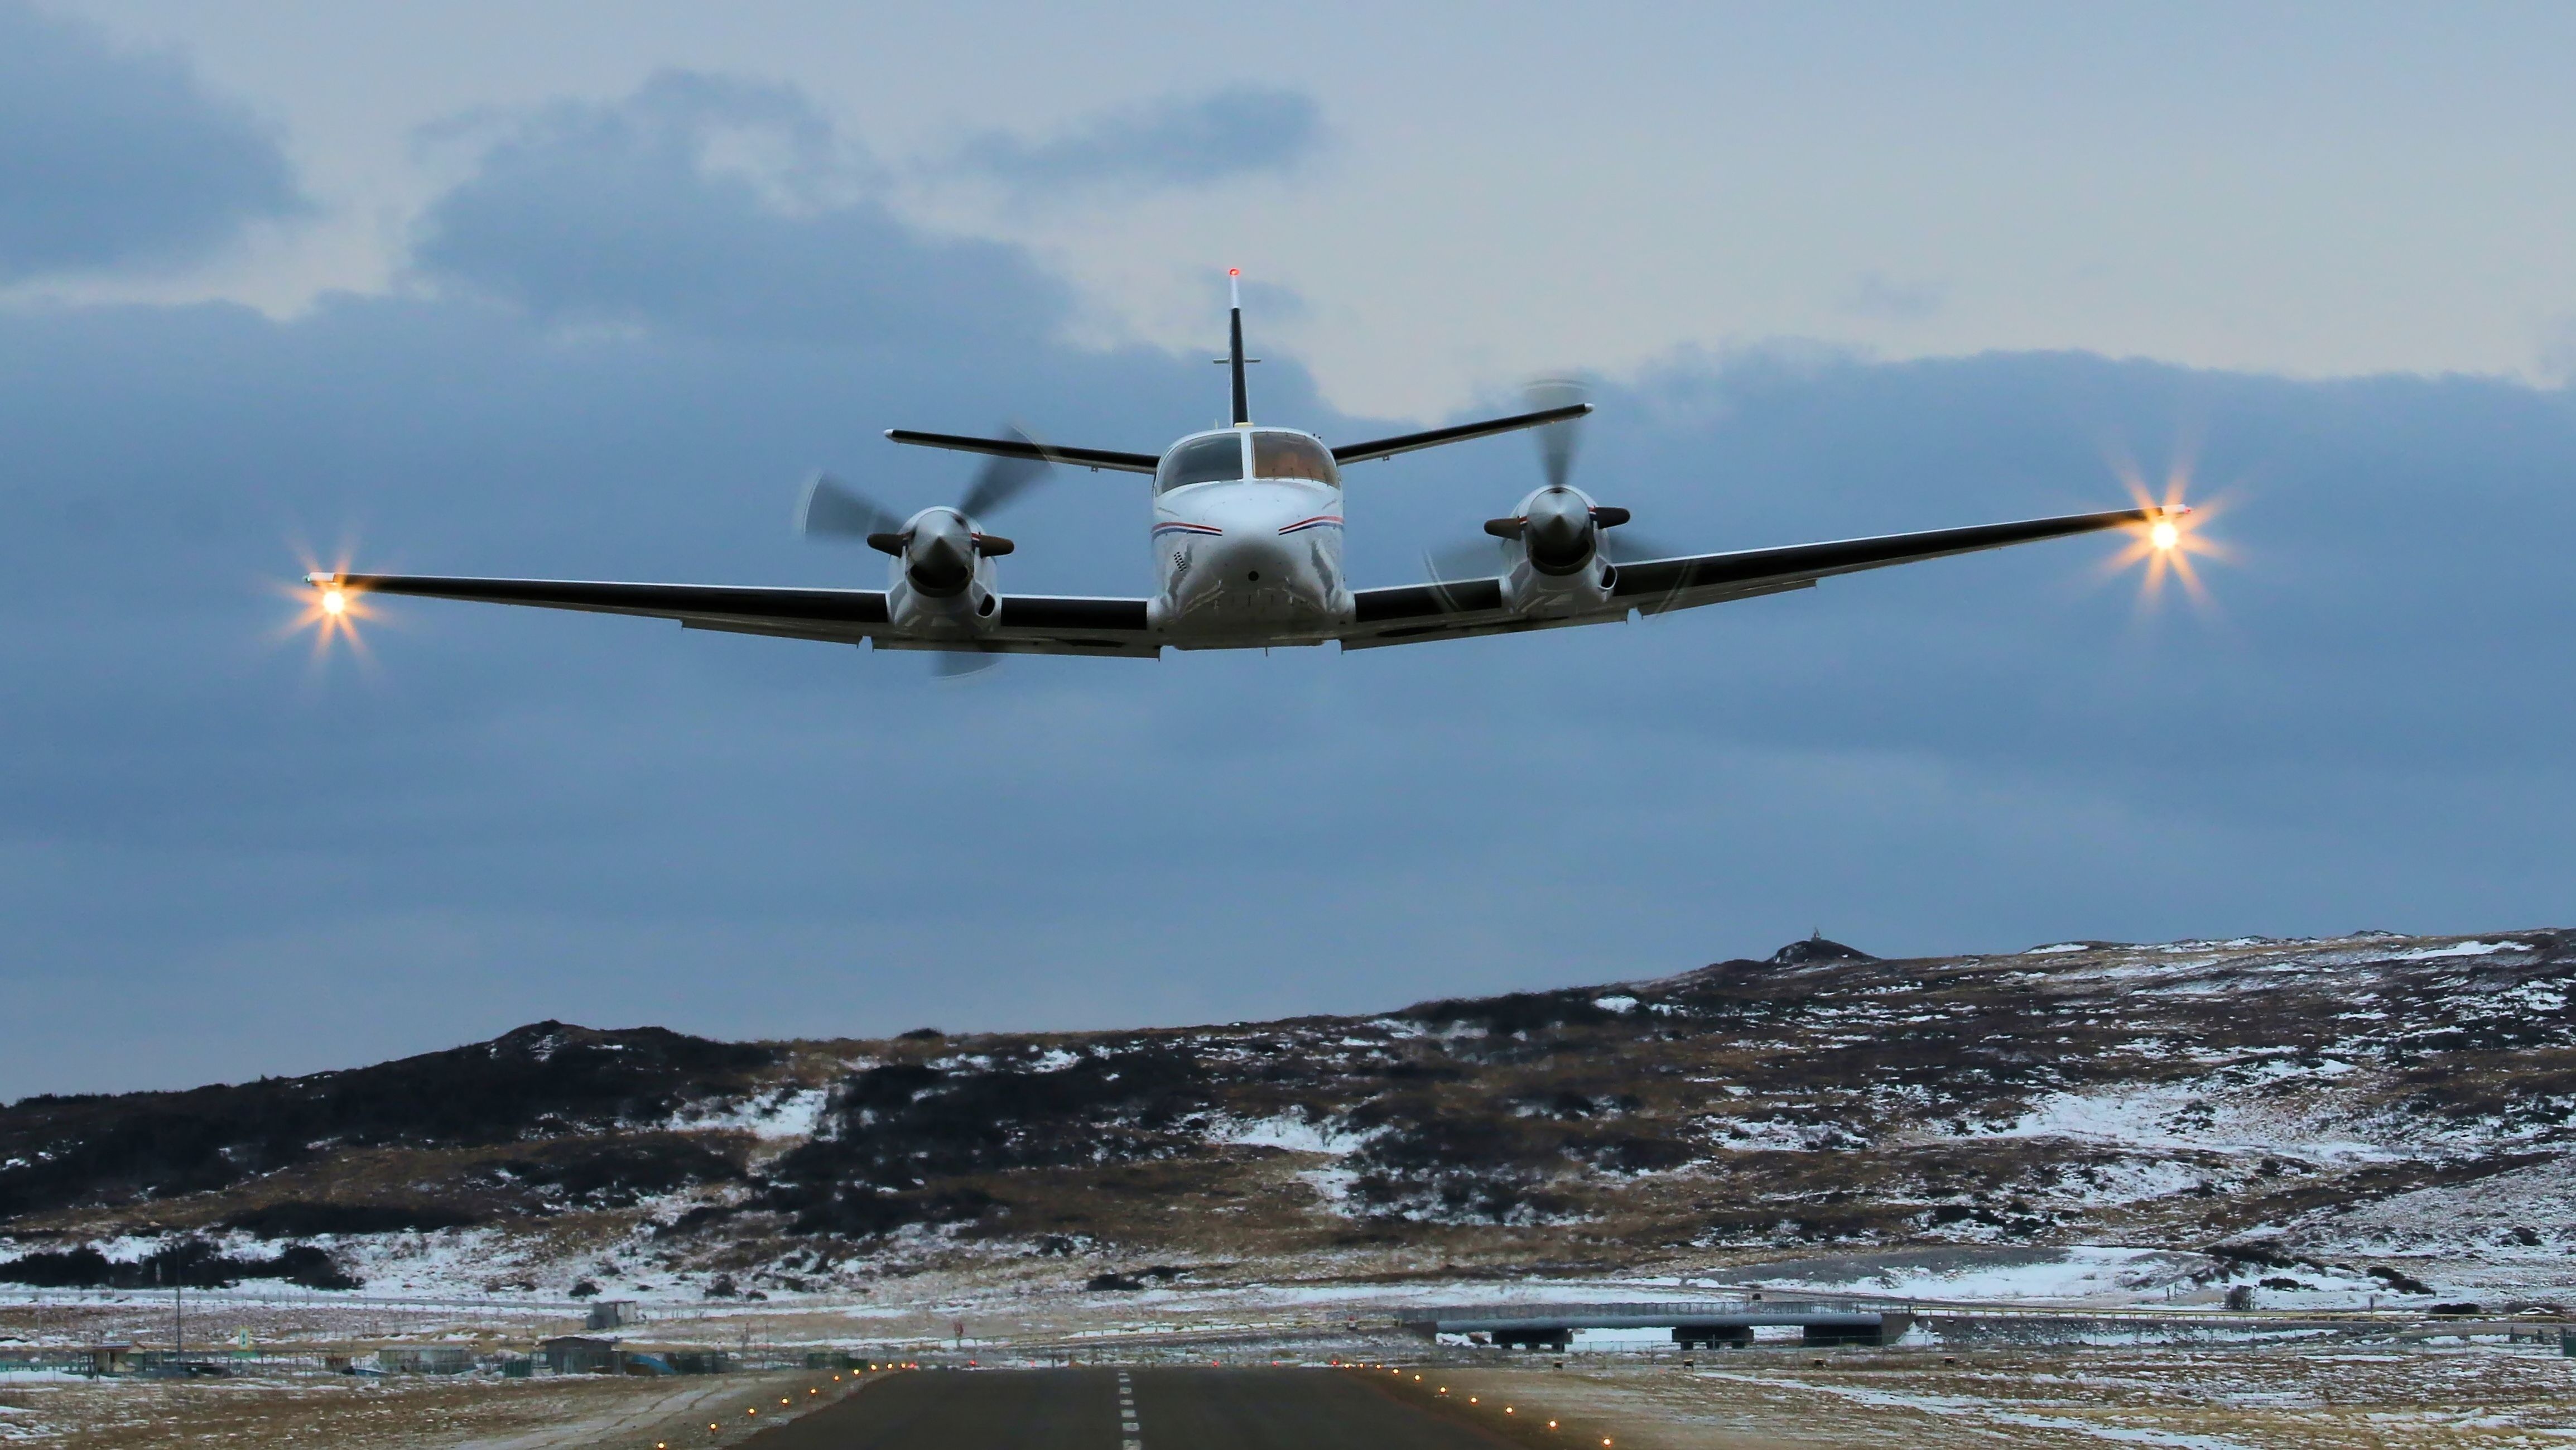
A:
<point x="2255" y="1398"/>
<point x="402" y="1412"/>
<point x="2313" y="1397"/>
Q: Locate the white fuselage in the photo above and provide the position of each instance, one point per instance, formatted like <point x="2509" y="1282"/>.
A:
<point x="1248" y="552"/>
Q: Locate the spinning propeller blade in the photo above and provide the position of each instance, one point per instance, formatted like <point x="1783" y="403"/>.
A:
<point x="1626" y="546"/>
<point x="832" y="509"/>
<point x="1556" y="441"/>
<point x="1001" y="480"/>
<point x="1456" y="564"/>
<point x="957" y="664"/>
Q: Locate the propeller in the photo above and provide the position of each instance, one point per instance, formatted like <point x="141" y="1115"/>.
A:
<point x="1454" y="565"/>
<point x="1001" y="480"/>
<point x="957" y="664"/>
<point x="1556" y="441"/>
<point x="1627" y="546"/>
<point x="831" y="509"/>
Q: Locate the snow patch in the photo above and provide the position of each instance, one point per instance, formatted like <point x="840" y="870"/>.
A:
<point x="2461" y="949"/>
<point x="2193" y="1117"/>
<point x="2082" y="1273"/>
<point x="1957" y="1407"/>
<point x="1296" y="1135"/>
<point x="788" y="1113"/>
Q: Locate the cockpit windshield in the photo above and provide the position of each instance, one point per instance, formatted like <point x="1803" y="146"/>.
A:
<point x="1292" y="455"/>
<point x="1214" y="459"/>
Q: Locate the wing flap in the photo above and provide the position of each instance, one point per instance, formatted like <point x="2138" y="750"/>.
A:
<point x="1453" y="609"/>
<point x="1069" y="625"/>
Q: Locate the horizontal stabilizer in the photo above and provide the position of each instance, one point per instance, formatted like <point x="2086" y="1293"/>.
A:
<point x="1035" y="452"/>
<point x="1459" y="433"/>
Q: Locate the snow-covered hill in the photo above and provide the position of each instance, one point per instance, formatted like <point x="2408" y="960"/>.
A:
<point x="2327" y="1119"/>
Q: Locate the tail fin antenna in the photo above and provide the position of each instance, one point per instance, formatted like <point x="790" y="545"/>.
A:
<point x="1242" y="403"/>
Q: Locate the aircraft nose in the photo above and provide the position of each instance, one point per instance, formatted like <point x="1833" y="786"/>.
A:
<point x="1256" y="552"/>
<point x="1251" y="556"/>
<point x="941" y="556"/>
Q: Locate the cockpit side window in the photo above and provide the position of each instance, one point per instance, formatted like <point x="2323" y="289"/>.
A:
<point x="1291" y="455"/>
<point x="1201" y="460"/>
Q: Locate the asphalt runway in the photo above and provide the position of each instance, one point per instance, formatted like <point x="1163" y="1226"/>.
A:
<point x="1107" y="1409"/>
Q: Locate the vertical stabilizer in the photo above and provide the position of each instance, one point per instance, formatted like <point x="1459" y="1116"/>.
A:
<point x="1242" y="402"/>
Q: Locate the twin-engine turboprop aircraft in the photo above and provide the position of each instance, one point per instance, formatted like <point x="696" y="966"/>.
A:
<point x="1247" y="548"/>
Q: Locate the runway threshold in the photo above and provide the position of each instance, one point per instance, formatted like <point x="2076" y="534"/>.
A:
<point x="1111" y="1409"/>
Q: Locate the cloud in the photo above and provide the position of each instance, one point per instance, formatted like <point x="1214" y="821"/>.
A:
<point x="1178" y="142"/>
<point x="513" y="814"/>
<point x="715" y="206"/>
<point x="113" y="158"/>
<point x="2558" y="352"/>
<point x="1875" y="296"/>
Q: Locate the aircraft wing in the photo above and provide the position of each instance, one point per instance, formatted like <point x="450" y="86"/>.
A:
<point x="1456" y="609"/>
<point x="1029" y="623"/>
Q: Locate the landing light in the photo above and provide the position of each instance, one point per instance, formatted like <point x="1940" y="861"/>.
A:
<point x="2168" y="534"/>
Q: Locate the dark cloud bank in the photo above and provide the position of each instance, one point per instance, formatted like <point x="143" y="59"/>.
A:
<point x="218" y="859"/>
<point x="112" y="158"/>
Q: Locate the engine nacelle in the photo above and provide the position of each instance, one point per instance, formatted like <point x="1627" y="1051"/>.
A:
<point x="1553" y="549"/>
<point x="943" y="572"/>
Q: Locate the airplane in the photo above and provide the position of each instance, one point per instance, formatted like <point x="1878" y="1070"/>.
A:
<point x="1246" y="537"/>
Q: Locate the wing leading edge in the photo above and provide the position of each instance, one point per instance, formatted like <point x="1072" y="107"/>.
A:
<point x="1410" y="613"/>
<point x="1028" y="623"/>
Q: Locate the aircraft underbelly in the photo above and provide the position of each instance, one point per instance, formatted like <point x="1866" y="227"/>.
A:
<point x="1247" y="618"/>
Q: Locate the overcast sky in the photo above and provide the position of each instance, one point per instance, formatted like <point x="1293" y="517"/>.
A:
<point x="585" y="291"/>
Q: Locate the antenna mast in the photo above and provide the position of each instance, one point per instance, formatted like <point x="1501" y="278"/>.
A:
<point x="1234" y="290"/>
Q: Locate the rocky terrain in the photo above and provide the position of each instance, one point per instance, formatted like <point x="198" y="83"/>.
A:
<point x="2326" y="1119"/>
